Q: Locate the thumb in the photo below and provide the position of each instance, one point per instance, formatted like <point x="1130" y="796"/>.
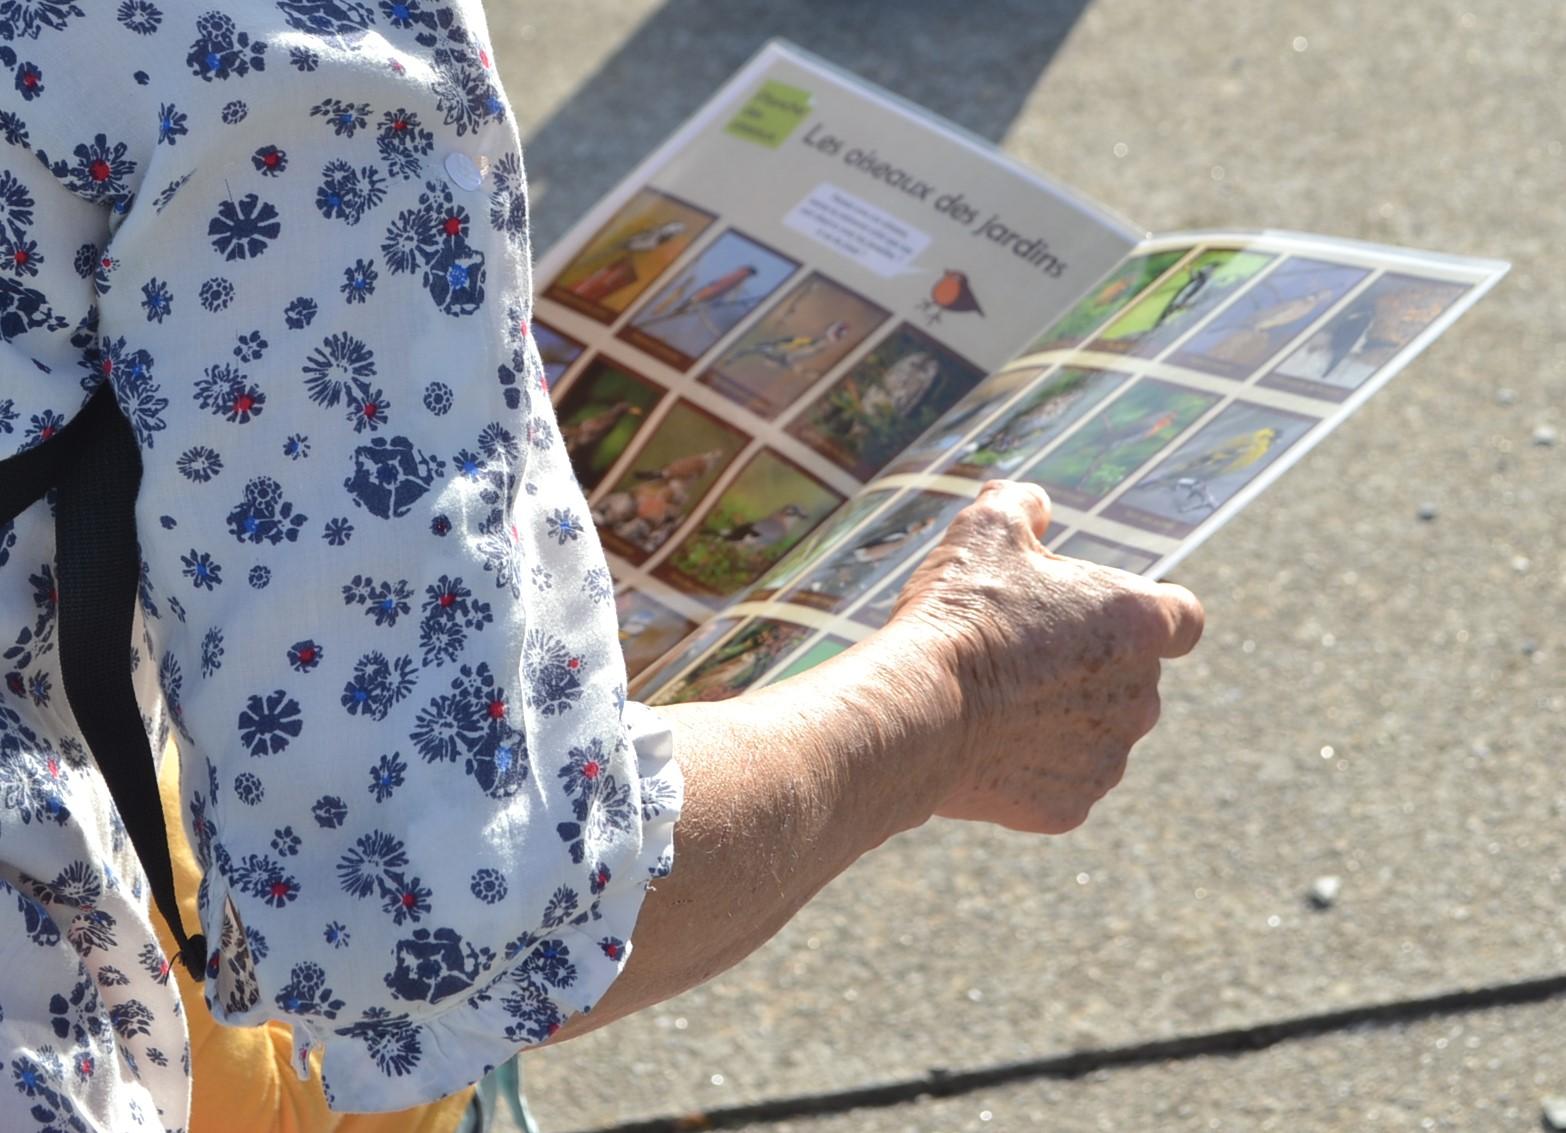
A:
<point x="1028" y="503"/>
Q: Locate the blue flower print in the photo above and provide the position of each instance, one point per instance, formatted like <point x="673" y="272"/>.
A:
<point x="20" y="256"/>
<point x="264" y="879"/>
<point x="249" y="789"/>
<point x="359" y="281"/>
<point x="508" y="199"/>
<point x="296" y="446"/>
<point x="402" y="142"/>
<point x="386" y="776"/>
<point x="378" y="683"/>
<point x="211" y="652"/>
<point x="216" y="294"/>
<point x="234" y="112"/>
<point x="432" y="966"/>
<point x="389" y="476"/>
<point x="345" y="118"/>
<point x="455" y="278"/>
<point x="269" y="161"/>
<point x="166" y="194"/>
<point x="347" y="193"/>
<point x="371" y="864"/>
<point x="221" y="52"/>
<point x="303" y="59"/>
<point x="304" y="656"/>
<point x="306" y="993"/>
<point x="101" y="171"/>
<point x="157" y="300"/>
<point x="16" y="208"/>
<point x="345" y="18"/>
<point x="203" y="572"/>
<point x="339" y="359"/>
<point x="488" y="885"/>
<point x="139" y="16"/>
<point x="563" y="525"/>
<point x="367" y="408"/>
<point x="199" y="464"/>
<point x="598" y="584"/>
<point x="259" y="577"/>
<point x="338" y="531"/>
<point x="285" y="843"/>
<point x="465" y="95"/>
<point x="268" y="723"/>
<point x="241" y="230"/>
<point x="391" y="1041"/>
<point x="554" y="674"/>
<point x="336" y="935"/>
<point x="329" y="812"/>
<point x="299" y="313"/>
<point x="171" y="124"/>
<point x="250" y="347"/>
<point x="406" y="899"/>
<point x="438" y="398"/>
<point x="412" y="240"/>
<point x="263" y="516"/>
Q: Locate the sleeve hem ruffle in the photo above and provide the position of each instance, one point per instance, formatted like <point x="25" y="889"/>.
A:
<point x="395" y="1062"/>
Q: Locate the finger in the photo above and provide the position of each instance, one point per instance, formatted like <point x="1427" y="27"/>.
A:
<point x="1029" y="500"/>
<point x="1186" y="619"/>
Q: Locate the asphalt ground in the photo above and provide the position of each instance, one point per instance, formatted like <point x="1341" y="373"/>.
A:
<point x="1379" y="696"/>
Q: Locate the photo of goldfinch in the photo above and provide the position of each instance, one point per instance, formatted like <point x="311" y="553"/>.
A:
<point x="1124" y="284"/>
<point x="1180" y="299"/>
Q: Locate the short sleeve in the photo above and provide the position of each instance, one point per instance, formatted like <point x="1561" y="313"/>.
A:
<point x="381" y="622"/>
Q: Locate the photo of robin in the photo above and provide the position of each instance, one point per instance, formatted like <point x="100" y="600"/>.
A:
<point x="1205" y="472"/>
<point x="648" y="629"/>
<point x="1267" y="317"/>
<point x="1123" y="285"/>
<point x="1180" y="299"/>
<point x="888" y="398"/>
<point x="735" y="665"/>
<point x="599" y="414"/>
<point x="706" y="299"/>
<point x="1118" y="440"/>
<point x="1364" y="336"/>
<point x="762" y="515"/>
<point x="793" y="345"/>
<point x="666" y="481"/>
<point x="628" y="254"/>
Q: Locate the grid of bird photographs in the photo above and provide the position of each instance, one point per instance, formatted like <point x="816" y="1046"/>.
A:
<point x="888" y="398"/>
<point x="794" y="345"/>
<point x="1123" y="285"/>
<point x="762" y="514"/>
<point x="1178" y="302"/>
<point x="707" y="298"/>
<point x="628" y="254"/>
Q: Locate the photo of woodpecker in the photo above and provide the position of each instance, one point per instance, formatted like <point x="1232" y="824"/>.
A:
<point x="1366" y="334"/>
<point x="628" y="255"/>
<point x="888" y="398"/>
<point x="872" y="552"/>
<point x="735" y="665"/>
<point x="665" y="481"/>
<point x="1113" y="443"/>
<point x="648" y="629"/>
<point x="1122" y="285"/>
<point x="600" y="413"/>
<point x="707" y="298"/>
<point x="793" y="345"/>
<point x="1205" y="472"/>
<point x="1032" y="424"/>
<point x="762" y="515"/>
<point x="1270" y="314"/>
<point x="1180" y="299"/>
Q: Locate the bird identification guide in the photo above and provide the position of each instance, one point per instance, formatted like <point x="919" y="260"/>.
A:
<point x="803" y="333"/>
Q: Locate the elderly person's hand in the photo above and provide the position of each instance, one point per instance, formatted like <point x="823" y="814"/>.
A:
<point x="1008" y="687"/>
<point x="1054" y="661"/>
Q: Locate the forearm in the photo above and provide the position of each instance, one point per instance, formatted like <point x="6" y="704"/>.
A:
<point x="785" y="788"/>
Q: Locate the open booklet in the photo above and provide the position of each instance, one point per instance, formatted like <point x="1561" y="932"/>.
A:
<point x="800" y="336"/>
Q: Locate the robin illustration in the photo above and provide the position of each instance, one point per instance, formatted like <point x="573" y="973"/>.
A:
<point x="788" y="353"/>
<point x="951" y="293"/>
<point x="768" y="531"/>
<point x="584" y="434"/>
<point x="1189" y="477"/>
<point x="1187" y="294"/>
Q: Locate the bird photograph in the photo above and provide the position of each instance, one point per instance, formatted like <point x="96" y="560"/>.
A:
<point x="629" y="253"/>
<point x="873" y="551"/>
<point x="1032" y="423"/>
<point x="666" y="479"/>
<point x="648" y="629"/>
<point x="890" y="396"/>
<point x="763" y="513"/>
<point x="1123" y="436"/>
<point x="1364" y="336"/>
<point x="952" y="294"/>
<point x="710" y="296"/>
<point x="793" y="345"/>
<point x="1164" y="312"/>
<point x="599" y="415"/>
<point x="555" y="351"/>
<point x="809" y="550"/>
<point x="1123" y="285"/>
<point x="1221" y="458"/>
<point x="736" y="664"/>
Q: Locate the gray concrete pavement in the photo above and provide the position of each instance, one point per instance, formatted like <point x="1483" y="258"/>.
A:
<point x="1379" y="696"/>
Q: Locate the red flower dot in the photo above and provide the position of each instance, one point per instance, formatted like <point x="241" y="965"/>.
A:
<point x="270" y="159"/>
<point x="447" y="599"/>
<point x="613" y="951"/>
<point x="108" y="365"/>
<point x="29" y="80"/>
<point x="279" y="889"/>
<point x="483" y="57"/>
<point x="54" y="767"/>
<point x="46" y="432"/>
<point x="574" y="663"/>
<point x="497" y="709"/>
<point x="244" y="403"/>
<point x="408" y="900"/>
<point x="21" y="256"/>
<point x="99" y="170"/>
<point x="400" y="124"/>
<point x="522" y="327"/>
<point x="453" y="225"/>
<point x="590" y="769"/>
<point x="306" y="656"/>
<point x="106" y="263"/>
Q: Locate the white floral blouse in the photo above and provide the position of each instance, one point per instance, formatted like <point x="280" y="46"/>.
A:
<point x="292" y="238"/>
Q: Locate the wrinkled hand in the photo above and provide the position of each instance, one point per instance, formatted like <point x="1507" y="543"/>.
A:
<point x="1055" y="661"/>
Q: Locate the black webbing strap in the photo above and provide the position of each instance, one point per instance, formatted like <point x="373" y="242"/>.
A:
<point x="95" y="467"/>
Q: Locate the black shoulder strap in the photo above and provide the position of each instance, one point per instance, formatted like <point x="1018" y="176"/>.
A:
<point x="95" y="466"/>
